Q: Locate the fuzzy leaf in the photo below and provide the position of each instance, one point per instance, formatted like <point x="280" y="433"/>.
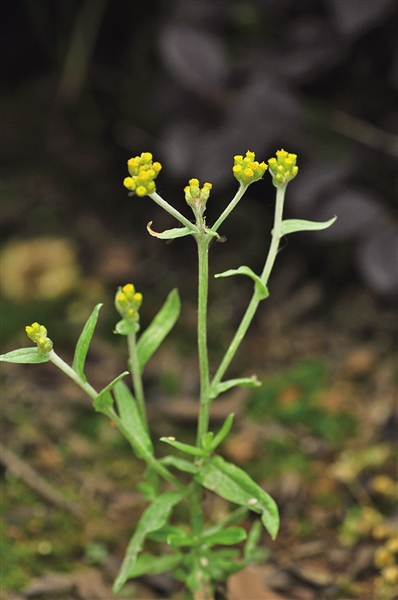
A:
<point x="104" y="399"/>
<point x="293" y="225"/>
<point x="232" y="483"/>
<point x="223" y="432"/>
<point x="179" y="463"/>
<point x="153" y="518"/>
<point x="131" y="420"/>
<point x="162" y="323"/>
<point x="83" y="343"/>
<point x="194" y="450"/>
<point x="247" y="382"/>
<point x="27" y="356"/>
<point x="148" y="564"/>
<point x="169" y="234"/>
<point x="262" y="290"/>
<point x="124" y="327"/>
<point x="228" y="537"/>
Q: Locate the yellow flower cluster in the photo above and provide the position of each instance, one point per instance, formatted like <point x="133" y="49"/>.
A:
<point x="196" y="196"/>
<point x="283" y="168"/>
<point x="142" y="171"/>
<point x="127" y="302"/>
<point x="38" y="333"/>
<point x="247" y="169"/>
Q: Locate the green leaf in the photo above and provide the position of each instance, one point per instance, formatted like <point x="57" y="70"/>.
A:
<point x="293" y="225"/>
<point x="261" y="289"/>
<point x="148" y="564"/>
<point x="170" y="234"/>
<point x="180" y="538"/>
<point x="179" y="463"/>
<point x="228" y="537"/>
<point x="27" y="356"/>
<point x="223" y="432"/>
<point x="131" y="420"/>
<point x="124" y="327"/>
<point x="161" y="535"/>
<point x="104" y="399"/>
<point x="153" y="518"/>
<point x="247" y="382"/>
<point x="234" y="484"/>
<point x="252" y="541"/>
<point x="83" y="343"/>
<point x="155" y="333"/>
<point x="194" y="450"/>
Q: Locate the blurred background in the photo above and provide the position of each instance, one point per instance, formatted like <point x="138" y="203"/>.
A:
<point x="86" y="84"/>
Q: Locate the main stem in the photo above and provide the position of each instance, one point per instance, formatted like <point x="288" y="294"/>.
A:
<point x="136" y="376"/>
<point x="255" y="301"/>
<point x="203" y="284"/>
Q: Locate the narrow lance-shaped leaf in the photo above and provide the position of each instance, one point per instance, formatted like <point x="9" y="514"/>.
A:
<point x="169" y="234"/>
<point x="148" y="564"/>
<point x="262" y="290"/>
<point x="131" y="420"/>
<point x="223" y="432"/>
<point x="246" y="382"/>
<point x="153" y="518"/>
<point x="83" y="343"/>
<point x="27" y="356"/>
<point x="228" y="537"/>
<point x="104" y="399"/>
<point x="234" y="484"/>
<point x="179" y="463"/>
<point x="193" y="450"/>
<point x="293" y="225"/>
<point x="162" y="323"/>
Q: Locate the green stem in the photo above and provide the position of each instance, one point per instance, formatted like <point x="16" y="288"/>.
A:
<point x="230" y="207"/>
<point x="203" y="283"/>
<point x="110" y="413"/>
<point x="57" y="361"/>
<point x="173" y="211"/>
<point x="136" y="376"/>
<point x="255" y="301"/>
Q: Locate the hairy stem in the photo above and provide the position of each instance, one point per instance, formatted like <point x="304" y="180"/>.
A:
<point x="255" y="301"/>
<point x="136" y="376"/>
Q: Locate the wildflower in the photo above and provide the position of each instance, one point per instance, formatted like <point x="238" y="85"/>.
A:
<point x="247" y="169"/>
<point x="38" y="333"/>
<point x="127" y="302"/>
<point x="142" y="172"/>
<point x="197" y="197"/>
<point x="283" y="168"/>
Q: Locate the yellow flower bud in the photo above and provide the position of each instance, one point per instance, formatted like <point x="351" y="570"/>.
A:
<point x="127" y="302"/>
<point x="38" y="333"/>
<point x="142" y="172"/>
<point x="246" y="169"/>
<point x="196" y="196"/>
<point x="283" y="168"/>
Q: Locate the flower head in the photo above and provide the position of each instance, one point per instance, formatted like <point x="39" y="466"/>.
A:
<point x="142" y="171"/>
<point x="38" y="333"/>
<point x="247" y="170"/>
<point x="196" y="196"/>
<point x="283" y="168"/>
<point x="127" y="302"/>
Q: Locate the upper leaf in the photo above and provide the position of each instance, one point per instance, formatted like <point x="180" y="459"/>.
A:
<point x="153" y="518"/>
<point x="28" y="356"/>
<point x="193" y="450"/>
<point x="83" y="343"/>
<point x="293" y="225"/>
<point x="169" y="234"/>
<point x="104" y="399"/>
<point x="131" y="422"/>
<point x="262" y="290"/>
<point x="162" y="323"/>
<point x="148" y="564"/>
<point x="223" y="386"/>
<point x="234" y="484"/>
